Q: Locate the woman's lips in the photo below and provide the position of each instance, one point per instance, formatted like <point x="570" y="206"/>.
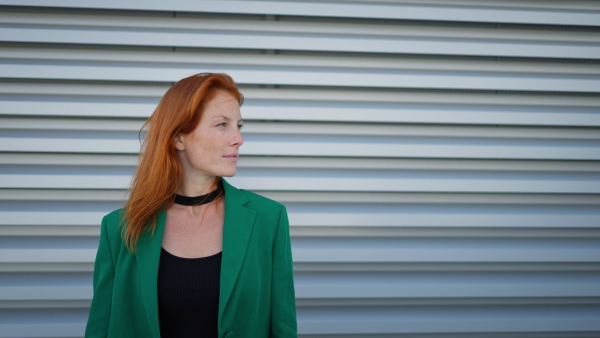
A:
<point x="231" y="157"/>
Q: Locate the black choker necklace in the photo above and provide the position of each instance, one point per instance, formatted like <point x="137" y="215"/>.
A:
<point x="198" y="200"/>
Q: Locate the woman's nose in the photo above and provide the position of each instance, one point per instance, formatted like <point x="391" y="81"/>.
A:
<point x="238" y="139"/>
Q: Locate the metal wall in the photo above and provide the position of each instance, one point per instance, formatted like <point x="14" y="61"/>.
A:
<point x="439" y="159"/>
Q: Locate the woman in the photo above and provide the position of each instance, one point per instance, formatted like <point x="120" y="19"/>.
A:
<point x="190" y="255"/>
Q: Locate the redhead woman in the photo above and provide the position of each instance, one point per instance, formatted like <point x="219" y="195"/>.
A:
<point x="190" y="255"/>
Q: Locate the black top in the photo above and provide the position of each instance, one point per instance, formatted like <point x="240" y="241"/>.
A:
<point x="188" y="295"/>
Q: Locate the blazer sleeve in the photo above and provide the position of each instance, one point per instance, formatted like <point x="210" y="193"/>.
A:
<point x="104" y="271"/>
<point x="283" y="298"/>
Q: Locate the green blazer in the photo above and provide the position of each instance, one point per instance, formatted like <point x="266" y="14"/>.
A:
<point x="256" y="297"/>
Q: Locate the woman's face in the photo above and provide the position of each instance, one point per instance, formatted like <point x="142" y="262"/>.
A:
<point x="212" y="148"/>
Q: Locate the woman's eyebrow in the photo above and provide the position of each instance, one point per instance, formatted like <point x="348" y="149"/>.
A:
<point x="226" y="118"/>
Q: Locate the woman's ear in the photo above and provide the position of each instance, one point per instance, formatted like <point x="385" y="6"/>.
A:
<point x="178" y="142"/>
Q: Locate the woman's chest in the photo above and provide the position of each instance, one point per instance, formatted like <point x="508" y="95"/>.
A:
<point x="192" y="236"/>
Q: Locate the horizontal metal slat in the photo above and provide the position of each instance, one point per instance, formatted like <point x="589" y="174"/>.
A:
<point x="443" y="220"/>
<point x="359" y="250"/>
<point x="299" y="267"/>
<point x="47" y="267"/>
<point x="347" y="219"/>
<point x="478" y="321"/>
<point x="120" y="195"/>
<point x="364" y="256"/>
<point x="122" y="92"/>
<point x="33" y="329"/>
<point x="473" y="13"/>
<point x="426" y="255"/>
<point x="336" y="149"/>
<point x="366" y="268"/>
<point x="429" y="289"/>
<point x="43" y="304"/>
<point x="87" y="109"/>
<point x="81" y="161"/>
<point x="339" y="302"/>
<point x="46" y="293"/>
<point x="71" y="322"/>
<point x="32" y="127"/>
<point x="295" y="27"/>
<point x="366" y="231"/>
<point x="335" y="290"/>
<point x="320" y="43"/>
<point x="412" y="302"/>
<point x="284" y="111"/>
<point x="564" y="185"/>
<point x="306" y="76"/>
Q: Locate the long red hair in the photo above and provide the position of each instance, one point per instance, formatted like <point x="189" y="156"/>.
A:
<point x="159" y="173"/>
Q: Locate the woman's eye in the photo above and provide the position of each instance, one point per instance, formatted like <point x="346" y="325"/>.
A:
<point x="223" y="124"/>
<point x="240" y="126"/>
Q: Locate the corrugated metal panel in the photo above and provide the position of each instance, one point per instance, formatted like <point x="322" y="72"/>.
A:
<point x="439" y="159"/>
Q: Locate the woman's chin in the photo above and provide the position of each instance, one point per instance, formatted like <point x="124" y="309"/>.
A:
<point x="228" y="173"/>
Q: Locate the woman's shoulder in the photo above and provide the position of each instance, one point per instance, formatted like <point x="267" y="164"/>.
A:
<point x="261" y="201"/>
<point x="114" y="217"/>
<point x="113" y="221"/>
<point x="254" y="200"/>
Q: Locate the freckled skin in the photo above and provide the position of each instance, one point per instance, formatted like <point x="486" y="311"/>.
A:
<point x="202" y="153"/>
<point x="197" y="231"/>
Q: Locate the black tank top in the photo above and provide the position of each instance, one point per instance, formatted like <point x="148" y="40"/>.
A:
<point x="188" y="296"/>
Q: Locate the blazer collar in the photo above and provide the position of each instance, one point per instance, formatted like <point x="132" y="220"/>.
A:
<point x="238" y="225"/>
<point x="237" y="228"/>
<point x="148" y="257"/>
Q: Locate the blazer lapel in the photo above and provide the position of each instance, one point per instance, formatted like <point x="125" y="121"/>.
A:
<point x="237" y="228"/>
<point x="148" y="257"/>
<point x="238" y="224"/>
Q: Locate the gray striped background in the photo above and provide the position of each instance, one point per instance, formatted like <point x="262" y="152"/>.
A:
<point x="439" y="159"/>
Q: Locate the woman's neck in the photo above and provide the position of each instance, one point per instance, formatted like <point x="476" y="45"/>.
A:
<point x="196" y="187"/>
